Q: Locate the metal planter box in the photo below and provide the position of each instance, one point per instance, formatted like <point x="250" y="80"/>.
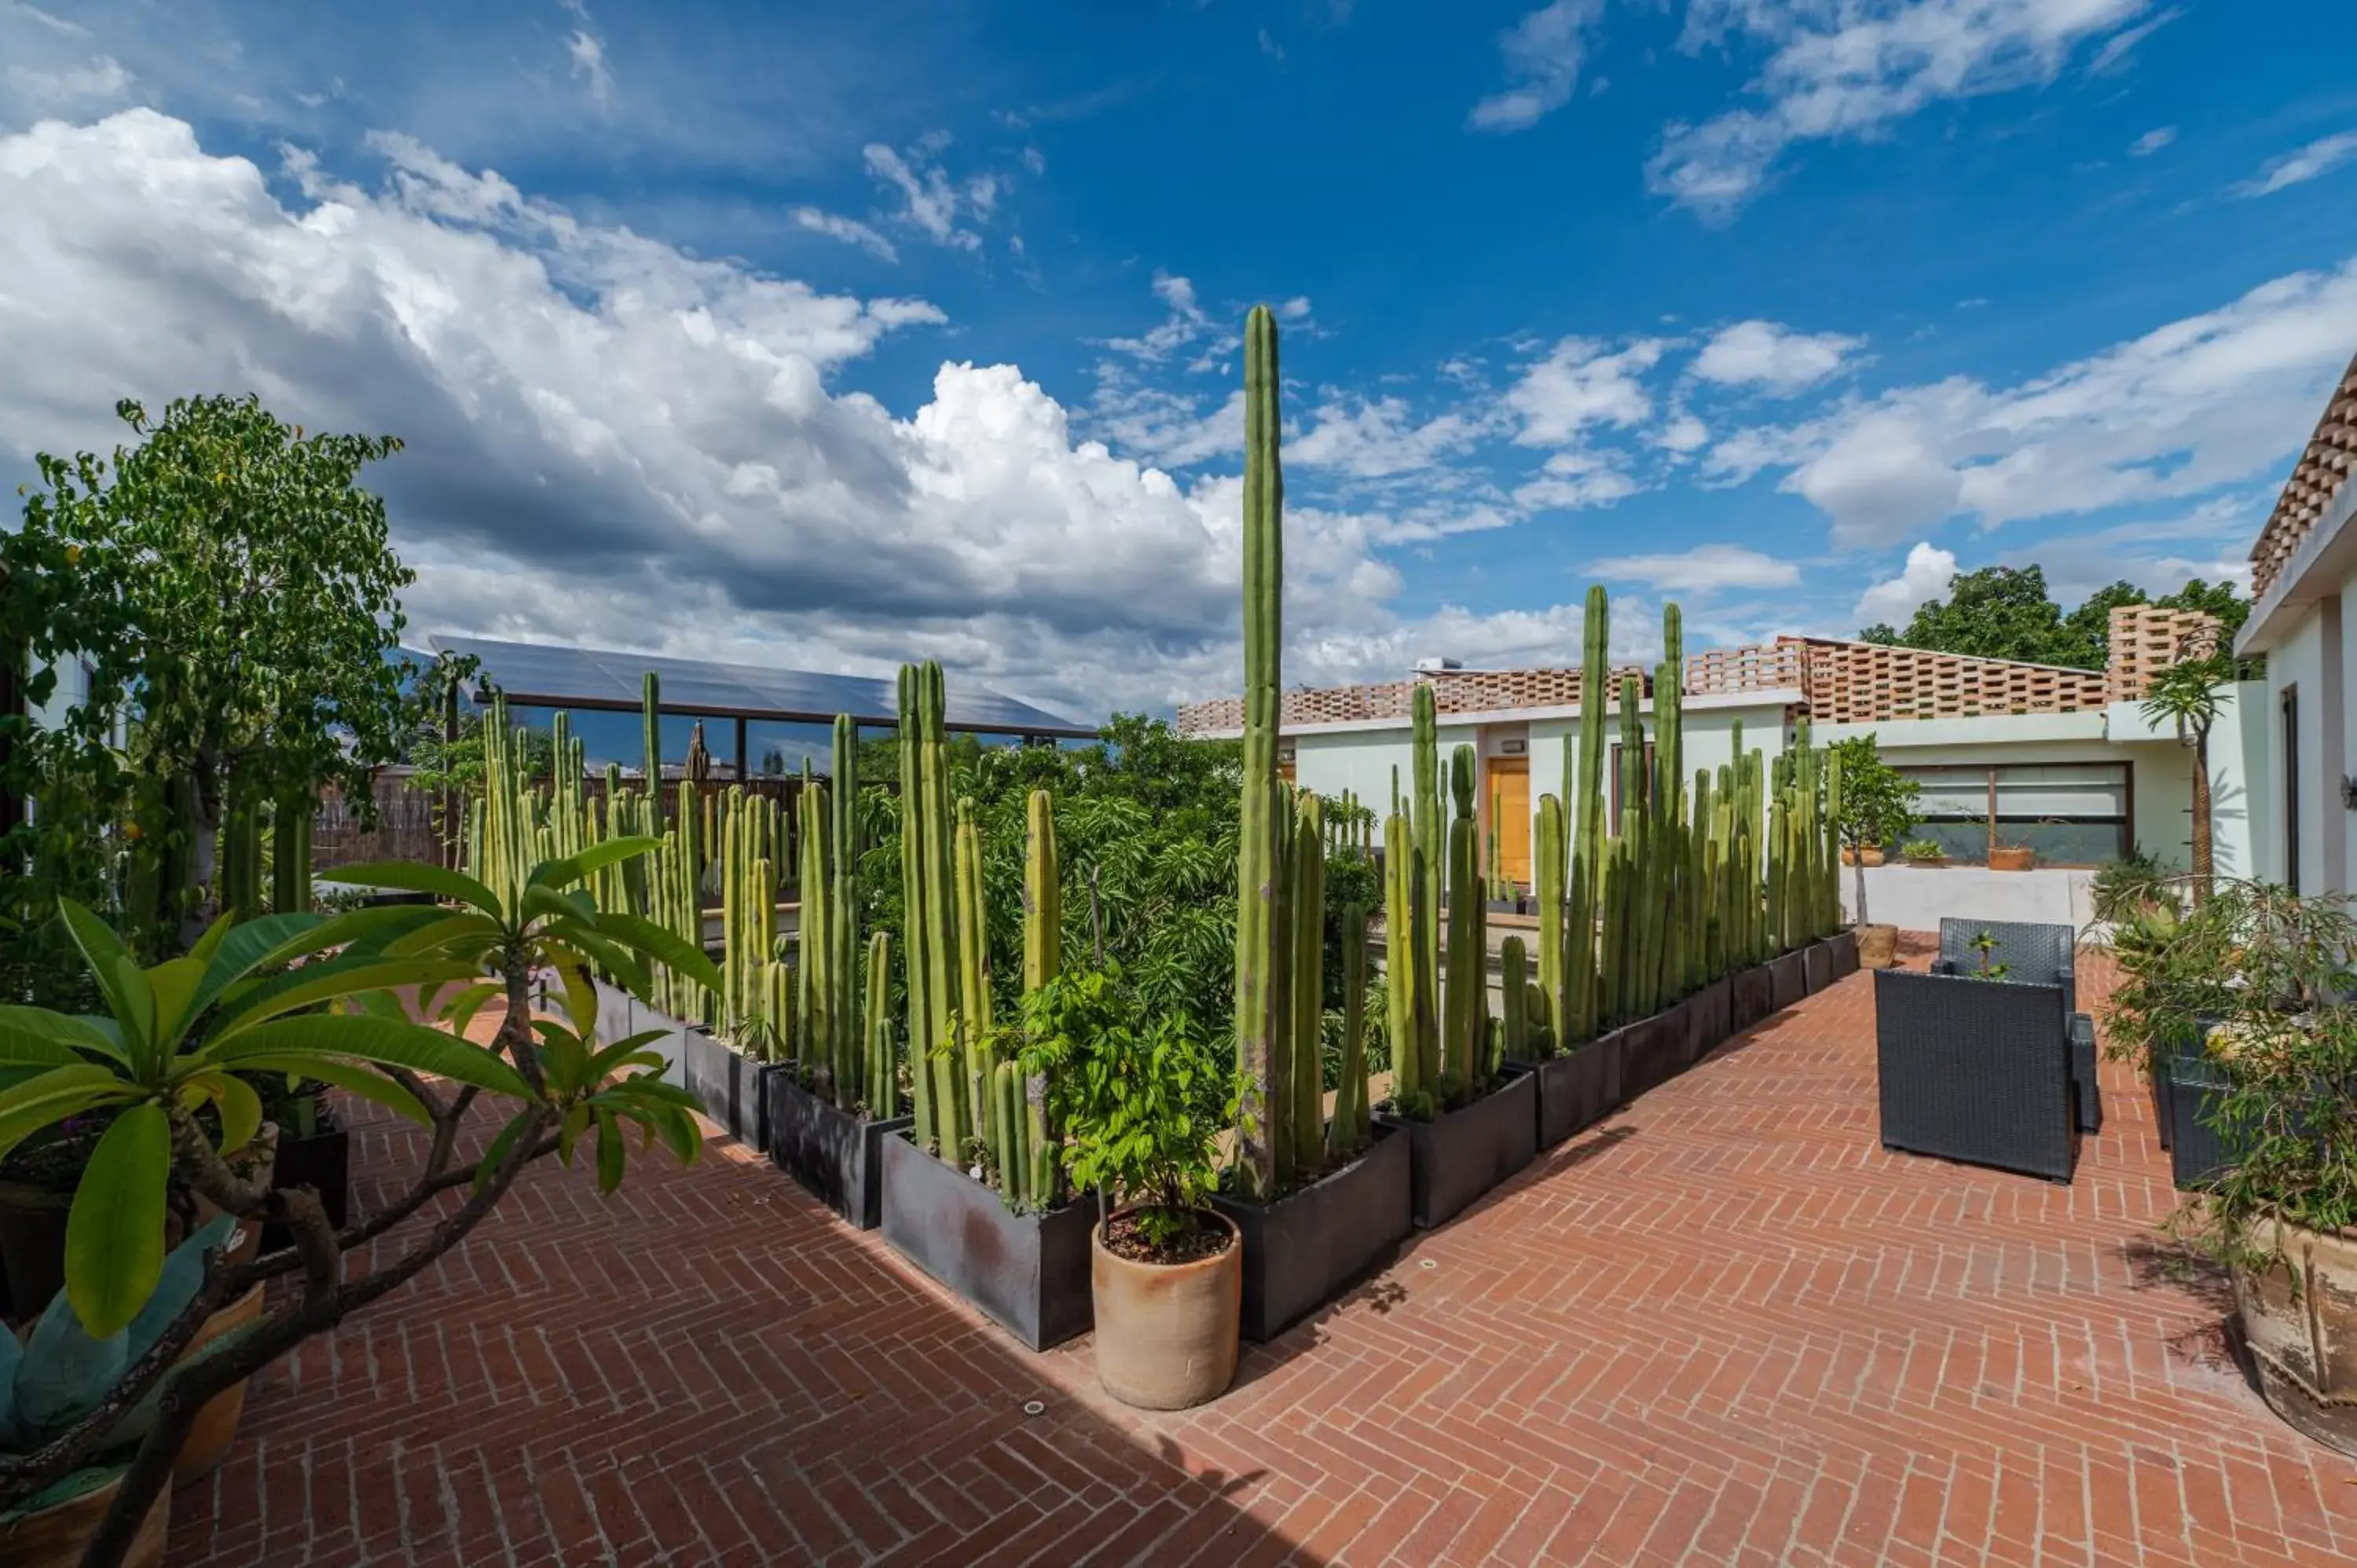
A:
<point x="1577" y="1089"/>
<point x="1653" y="1051"/>
<point x="1028" y="1273"/>
<point x="838" y="1157"/>
<point x="1714" y="1008"/>
<point x="1753" y="997"/>
<point x="1788" y="980"/>
<point x="1817" y="966"/>
<point x="1844" y="945"/>
<point x="1308" y="1247"/>
<point x="1464" y="1154"/>
<point x="728" y="1086"/>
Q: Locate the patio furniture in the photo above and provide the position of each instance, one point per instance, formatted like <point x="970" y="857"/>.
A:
<point x="2033" y="953"/>
<point x="1975" y="1071"/>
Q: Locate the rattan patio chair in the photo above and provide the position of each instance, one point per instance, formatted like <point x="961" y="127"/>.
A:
<point x="1975" y="1071"/>
<point x="2033" y="953"/>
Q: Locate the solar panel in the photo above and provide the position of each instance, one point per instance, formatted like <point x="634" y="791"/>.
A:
<point x="555" y="677"/>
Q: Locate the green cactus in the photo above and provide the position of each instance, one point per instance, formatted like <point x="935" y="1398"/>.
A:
<point x="1581" y="982"/>
<point x="290" y="850"/>
<point x="1548" y="877"/>
<point x="943" y="1104"/>
<point x="1515" y="1002"/>
<point x="1400" y="937"/>
<point x="1305" y="1072"/>
<point x="1350" y="1129"/>
<point x="882" y="1073"/>
<point x="843" y="910"/>
<point x="1260" y="938"/>
<point x="974" y="1021"/>
<point x="1467" y="992"/>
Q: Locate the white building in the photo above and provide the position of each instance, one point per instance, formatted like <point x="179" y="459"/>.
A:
<point x="2303" y="563"/>
<point x="2063" y="759"/>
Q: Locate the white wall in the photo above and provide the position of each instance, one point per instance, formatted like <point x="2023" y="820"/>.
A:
<point x="1361" y="761"/>
<point x="2297" y="663"/>
<point x="1918" y="899"/>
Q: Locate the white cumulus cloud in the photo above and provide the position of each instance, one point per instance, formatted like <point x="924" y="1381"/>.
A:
<point x="1767" y="354"/>
<point x="1704" y="569"/>
<point x="1543" y="53"/>
<point x="1894" y="600"/>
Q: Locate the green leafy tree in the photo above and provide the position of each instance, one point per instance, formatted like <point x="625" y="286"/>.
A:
<point x="2188" y="695"/>
<point x="2085" y="642"/>
<point x="249" y="604"/>
<point x="2004" y="612"/>
<point x="1877" y="804"/>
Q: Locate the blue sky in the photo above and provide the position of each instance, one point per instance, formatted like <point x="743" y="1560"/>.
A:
<point x="827" y="336"/>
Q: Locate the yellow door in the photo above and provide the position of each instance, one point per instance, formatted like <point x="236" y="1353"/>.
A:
<point x="1509" y="817"/>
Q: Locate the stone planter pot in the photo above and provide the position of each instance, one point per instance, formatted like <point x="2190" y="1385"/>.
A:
<point x="1874" y="947"/>
<point x="1027" y="1273"/>
<point x="838" y="1157"/>
<point x="54" y="1538"/>
<point x="1653" y="1051"/>
<point x="728" y="1086"/>
<point x="1308" y="1247"/>
<point x="322" y="1161"/>
<point x="216" y="1425"/>
<point x="2299" y="1319"/>
<point x="1845" y="948"/>
<point x="1714" y="1008"/>
<point x="1754" y="998"/>
<point x="1788" y="979"/>
<point x="1576" y="1089"/>
<point x="1816" y="966"/>
<point x="1462" y="1155"/>
<point x="1166" y="1332"/>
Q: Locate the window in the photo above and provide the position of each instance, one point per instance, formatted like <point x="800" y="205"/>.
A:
<point x="2069" y="813"/>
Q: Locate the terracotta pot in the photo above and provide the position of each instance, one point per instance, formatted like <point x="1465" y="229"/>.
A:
<point x="1167" y="1333"/>
<point x="1877" y="946"/>
<point x="2011" y="857"/>
<point x="216" y="1428"/>
<point x="54" y="1538"/>
<point x="1926" y="862"/>
<point x="2300" y="1318"/>
<point x="1870" y="856"/>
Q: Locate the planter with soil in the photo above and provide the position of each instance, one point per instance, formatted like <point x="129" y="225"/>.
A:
<point x="1754" y="995"/>
<point x="1462" y="1154"/>
<point x="1817" y="966"/>
<point x="1713" y="1009"/>
<point x="1576" y="1089"/>
<point x="2300" y="1318"/>
<point x="838" y="1157"/>
<point x="54" y="1537"/>
<point x="1165" y="1331"/>
<point x="2011" y="857"/>
<point x="1027" y="1273"/>
<point x="1312" y="1244"/>
<point x="729" y="1084"/>
<point x="1653" y="1051"/>
<point x="1870" y="856"/>
<point x="1844" y="945"/>
<point x="1875" y="946"/>
<point x="1788" y="979"/>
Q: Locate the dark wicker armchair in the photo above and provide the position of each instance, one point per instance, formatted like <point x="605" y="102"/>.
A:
<point x="2033" y="953"/>
<point x="1976" y="1072"/>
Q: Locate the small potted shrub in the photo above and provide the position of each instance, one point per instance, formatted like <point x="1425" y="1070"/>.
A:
<point x="1923" y="852"/>
<point x="1877" y="807"/>
<point x="1143" y="1109"/>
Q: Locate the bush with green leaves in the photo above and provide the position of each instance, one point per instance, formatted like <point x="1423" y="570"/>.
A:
<point x="1143" y="1097"/>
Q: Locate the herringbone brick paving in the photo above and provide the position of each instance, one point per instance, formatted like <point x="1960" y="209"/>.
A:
<point x="1724" y="1328"/>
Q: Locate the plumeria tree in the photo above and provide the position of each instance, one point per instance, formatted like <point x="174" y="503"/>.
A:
<point x="355" y="1001"/>
<point x="2188" y="695"/>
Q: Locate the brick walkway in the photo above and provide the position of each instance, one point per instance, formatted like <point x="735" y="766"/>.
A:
<point x="1725" y="1327"/>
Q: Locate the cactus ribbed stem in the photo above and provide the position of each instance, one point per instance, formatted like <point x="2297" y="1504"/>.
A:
<point x="1260" y="938"/>
<point x="882" y="1079"/>
<point x="1306" y="1077"/>
<point x="1466" y="996"/>
<point x="1550" y="894"/>
<point x="1350" y="1129"/>
<point x="1514" y="966"/>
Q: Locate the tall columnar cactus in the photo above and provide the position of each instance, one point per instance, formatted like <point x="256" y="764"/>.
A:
<point x="935" y="1069"/>
<point x="1467" y="992"/>
<point x="1514" y="1001"/>
<point x="1350" y="1129"/>
<point x="1400" y="946"/>
<point x="974" y="1020"/>
<point x="817" y="1029"/>
<point x="1552" y="981"/>
<point x="882" y="1073"/>
<point x="1429" y="831"/>
<point x="1260" y="939"/>
<point x="1305" y="1072"/>
<point x="651" y="731"/>
<point x="290" y="850"/>
<point x="1580" y="977"/>
<point x="843" y="905"/>
<point x="1043" y="960"/>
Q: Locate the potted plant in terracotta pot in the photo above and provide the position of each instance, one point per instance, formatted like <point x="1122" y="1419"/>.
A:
<point x="1923" y="853"/>
<point x="1877" y="807"/>
<point x="2258" y="975"/>
<point x="1142" y="1107"/>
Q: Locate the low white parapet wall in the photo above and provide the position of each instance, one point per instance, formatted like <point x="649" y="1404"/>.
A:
<point x="1917" y="898"/>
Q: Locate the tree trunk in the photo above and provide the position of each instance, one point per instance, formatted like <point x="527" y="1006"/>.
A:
<point x="1858" y="871"/>
<point x="2202" y="864"/>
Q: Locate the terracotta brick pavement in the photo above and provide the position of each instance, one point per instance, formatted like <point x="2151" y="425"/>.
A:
<point x="1724" y="1328"/>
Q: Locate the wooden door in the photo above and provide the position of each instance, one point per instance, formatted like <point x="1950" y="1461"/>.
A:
<point x="1509" y="817"/>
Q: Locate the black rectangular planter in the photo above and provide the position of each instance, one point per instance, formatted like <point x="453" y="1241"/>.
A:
<point x="838" y="1157"/>
<point x="1753" y="997"/>
<point x="1788" y="980"/>
<point x="1028" y="1273"/>
<point x="1714" y="1008"/>
<point x="322" y="1161"/>
<point x="728" y="1086"/>
<point x="1653" y="1051"/>
<point x="1576" y="1089"/>
<point x="1844" y="945"/>
<point x="1817" y="966"/>
<point x="2198" y="1154"/>
<point x="1465" y="1153"/>
<point x="1304" y="1249"/>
